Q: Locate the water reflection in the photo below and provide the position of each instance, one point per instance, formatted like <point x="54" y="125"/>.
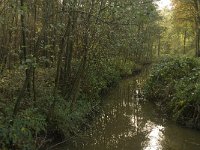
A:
<point x="127" y="122"/>
<point x="155" y="137"/>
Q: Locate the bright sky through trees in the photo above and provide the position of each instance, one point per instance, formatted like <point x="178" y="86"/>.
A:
<point x="164" y="4"/>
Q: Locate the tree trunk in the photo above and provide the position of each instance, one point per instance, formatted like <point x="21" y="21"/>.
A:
<point x="159" y="45"/>
<point x="184" y="43"/>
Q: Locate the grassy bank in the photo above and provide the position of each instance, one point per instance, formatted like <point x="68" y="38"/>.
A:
<point x="174" y="85"/>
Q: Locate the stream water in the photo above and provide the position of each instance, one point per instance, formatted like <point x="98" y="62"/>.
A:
<point x="128" y="122"/>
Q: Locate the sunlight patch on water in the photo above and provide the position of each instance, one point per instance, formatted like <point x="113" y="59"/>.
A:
<point x="155" y="136"/>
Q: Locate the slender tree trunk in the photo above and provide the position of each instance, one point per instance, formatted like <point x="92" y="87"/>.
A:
<point x="23" y="33"/>
<point x="58" y="71"/>
<point x="197" y="21"/>
<point x="27" y="81"/>
<point x="34" y="53"/>
<point x="197" y="41"/>
<point x="184" y="43"/>
<point x="80" y="73"/>
<point x="70" y="44"/>
<point x="159" y="45"/>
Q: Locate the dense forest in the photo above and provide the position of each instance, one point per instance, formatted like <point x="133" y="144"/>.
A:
<point x="59" y="57"/>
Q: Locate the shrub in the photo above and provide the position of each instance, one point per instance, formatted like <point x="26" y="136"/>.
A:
<point x="174" y="83"/>
<point x="23" y="130"/>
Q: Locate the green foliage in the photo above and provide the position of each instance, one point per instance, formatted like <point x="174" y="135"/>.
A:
<point x="126" y="67"/>
<point x="185" y="102"/>
<point x="174" y="83"/>
<point x="107" y="72"/>
<point x="31" y="124"/>
<point x="23" y="130"/>
<point x="165" y="74"/>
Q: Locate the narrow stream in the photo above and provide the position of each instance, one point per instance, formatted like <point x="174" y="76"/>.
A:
<point x="128" y="122"/>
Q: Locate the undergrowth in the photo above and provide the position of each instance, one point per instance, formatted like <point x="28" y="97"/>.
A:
<point x="34" y="125"/>
<point x="174" y="84"/>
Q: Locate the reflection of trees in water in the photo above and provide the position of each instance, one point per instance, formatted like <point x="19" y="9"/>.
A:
<point x="125" y="122"/>
<point x="122" y="122"/>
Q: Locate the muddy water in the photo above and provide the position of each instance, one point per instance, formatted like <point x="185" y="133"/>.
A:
<point x="128" y="122"/>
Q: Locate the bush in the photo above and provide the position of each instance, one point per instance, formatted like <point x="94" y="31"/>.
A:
<point x="174" y="84"/>
<point x="23" y="130"/>
<point x="186" y="100"/>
